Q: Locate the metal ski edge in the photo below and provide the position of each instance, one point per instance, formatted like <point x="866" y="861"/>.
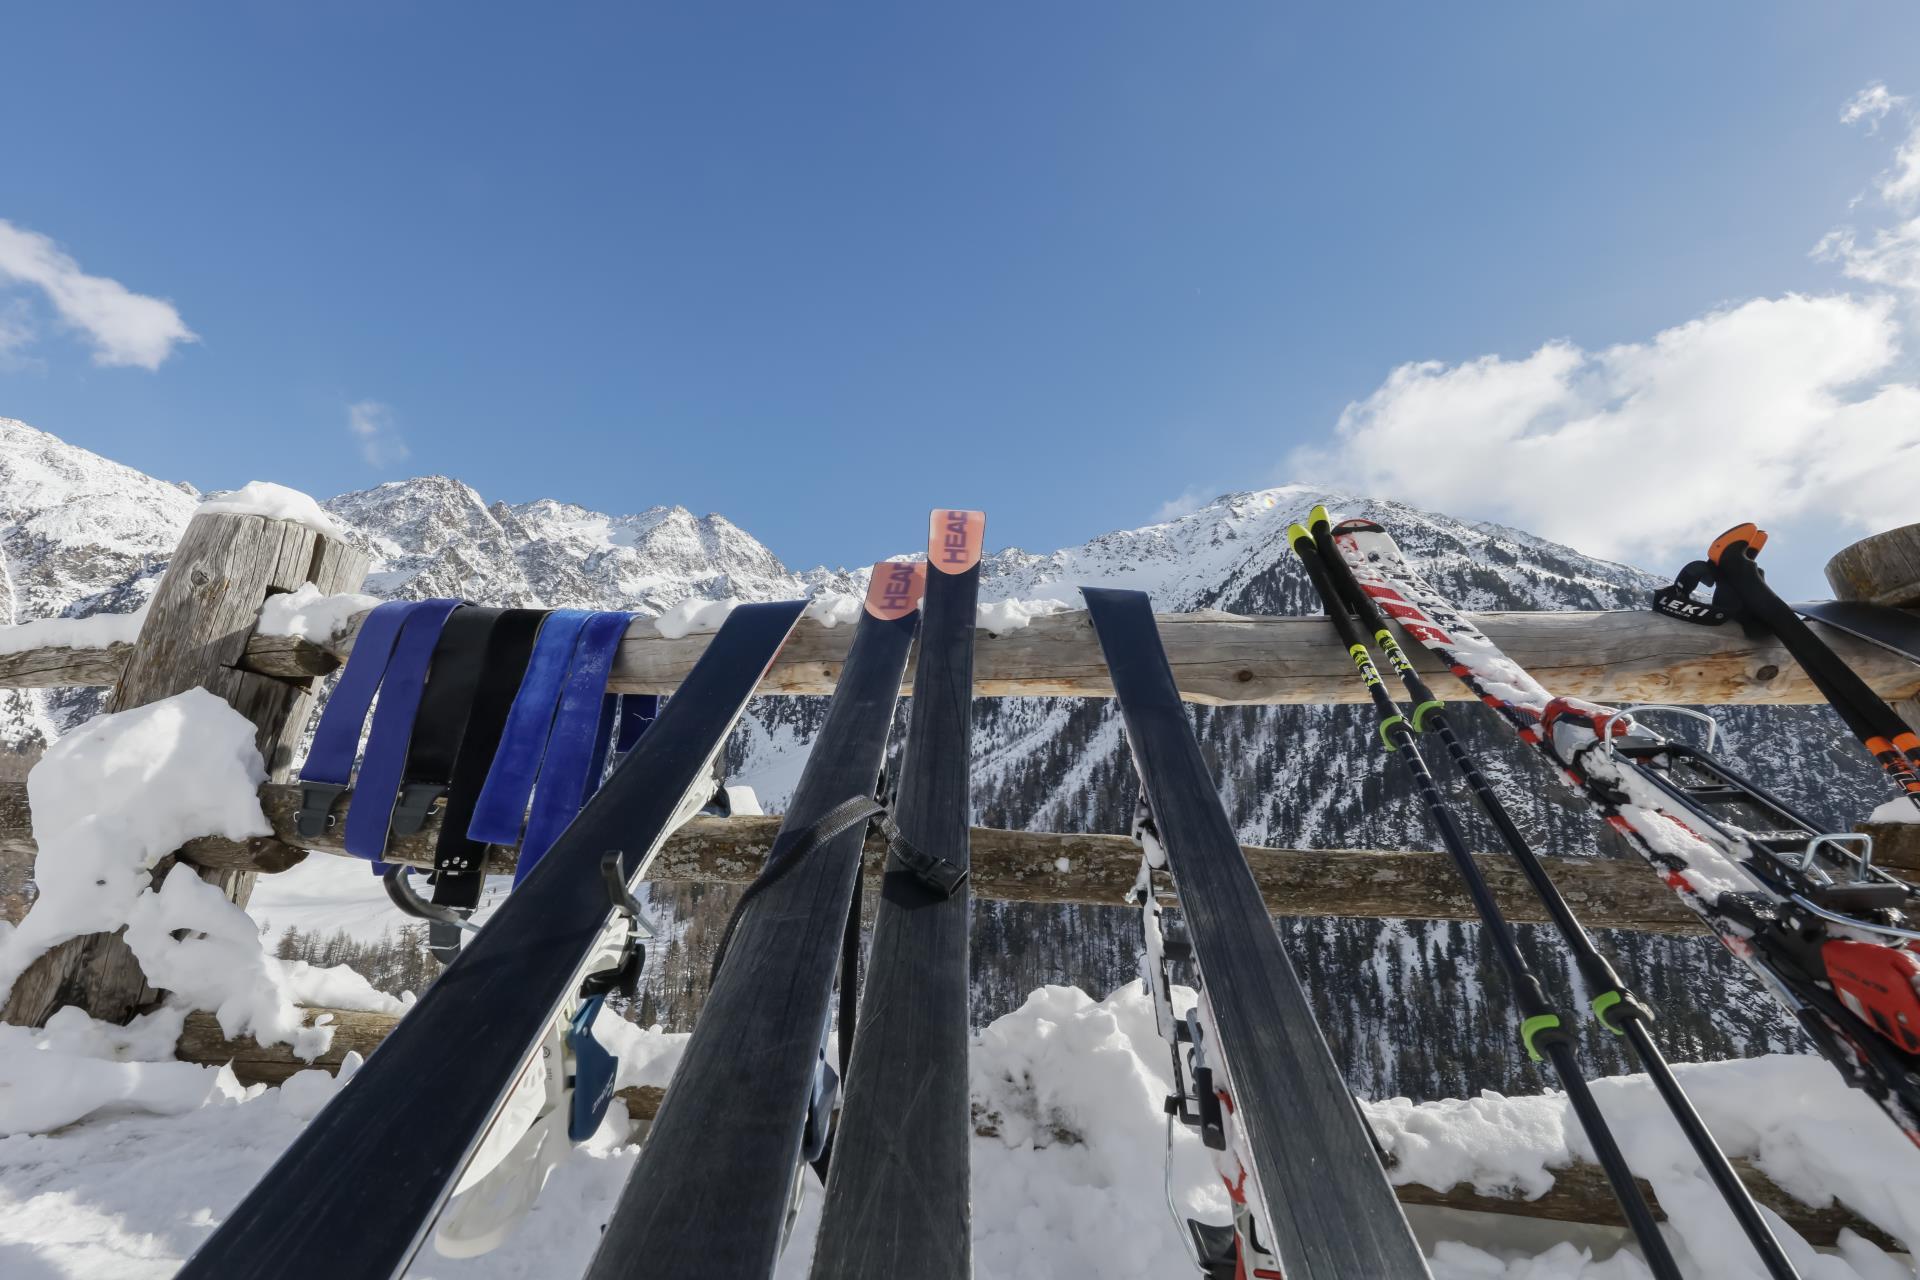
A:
<point x="210" y="1260"/>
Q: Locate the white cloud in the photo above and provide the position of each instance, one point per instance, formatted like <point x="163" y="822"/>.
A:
<point x="1188" y="502"/>
<point x="1888" y="256"/>
<point x="371" y="423"/>
<point x="125" y="328"/>
<point x="1871" y="104"/>
<point x="16" y="333"/>
<point x="1890" y="259"/>
<point x="1758" y="411"/>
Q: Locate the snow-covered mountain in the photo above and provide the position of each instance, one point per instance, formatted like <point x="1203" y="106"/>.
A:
<point x="79" y="533"/>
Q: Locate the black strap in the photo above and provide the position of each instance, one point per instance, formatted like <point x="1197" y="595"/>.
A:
<point x="460" y="863"/>
<point x="789" y="848"/>
<point x="458" y="657"/>
<point x="930" y="869"/>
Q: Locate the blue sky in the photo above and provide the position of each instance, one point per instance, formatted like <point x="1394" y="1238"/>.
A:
<point x="820" y="268"/>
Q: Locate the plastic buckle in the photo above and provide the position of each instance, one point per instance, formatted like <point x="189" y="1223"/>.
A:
<point x="415" y="803"/>
<point x="315" y="814"/>
<point x="931" y="870"/>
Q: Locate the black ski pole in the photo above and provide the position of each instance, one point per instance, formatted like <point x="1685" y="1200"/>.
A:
<point x="1614" y="1005"/>
<point x="1541" y="1030"/>
<point x="1742" y="590"/>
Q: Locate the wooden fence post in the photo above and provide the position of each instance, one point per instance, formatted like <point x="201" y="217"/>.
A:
<point x="1884" y="569"/>
<point x="195" y="634"/>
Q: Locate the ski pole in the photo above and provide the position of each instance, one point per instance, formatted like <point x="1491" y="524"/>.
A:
<point x="1541" y="1030"/>
<point x="1616" y="1007"/>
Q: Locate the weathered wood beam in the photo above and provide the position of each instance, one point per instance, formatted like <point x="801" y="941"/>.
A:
<point x="1579" y="1193"/>
<point x="195" y="635"/>
<point x="1883" y="569"/>
<point x="64" y="668"/>
<point x="1027" y="866"/>
<point x="202" y="1041"/>
<point x="1217" y="658"/>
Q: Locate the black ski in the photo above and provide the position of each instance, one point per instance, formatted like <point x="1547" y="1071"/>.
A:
<point x="1311" y="1176"/>
<point x="752" y="1096"/>
<point x="898" y="1194"/>
<point x="1895" y="630"/>
<point x="357" y="1191"/>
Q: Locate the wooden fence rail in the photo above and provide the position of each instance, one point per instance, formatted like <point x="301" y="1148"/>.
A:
<point x="1218" y="658"/>
<point x="1039" y="866"/>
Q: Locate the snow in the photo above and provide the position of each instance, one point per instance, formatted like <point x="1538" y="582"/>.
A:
<point x="832" y="608"/>
<point x="76" y="1067"/>
<point x="276" y="502"/>
<point x="1002" y="616"/>
<point x="1790" y="1115"/>
<point x="95" y="632"/>
<point x="307" y="613"/>
<point x="116" y="795"/>
<point x="1067" y="1159"/>
<point x="112" y="798"/>
<point x="690" y="616"/>
<point x="1899" y="809"/>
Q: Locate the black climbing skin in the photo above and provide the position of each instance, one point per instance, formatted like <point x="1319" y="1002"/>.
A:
<point x="1322" y="1195"/>
<point x="710" y="1192"/>
<point x="898" y="1193"/>
<point x="357" y="1191"/>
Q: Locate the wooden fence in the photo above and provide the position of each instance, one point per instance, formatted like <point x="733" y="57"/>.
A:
<point x="200" y="631"/>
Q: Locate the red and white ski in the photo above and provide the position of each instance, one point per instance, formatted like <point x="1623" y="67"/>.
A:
<point x="1805" y="910"/>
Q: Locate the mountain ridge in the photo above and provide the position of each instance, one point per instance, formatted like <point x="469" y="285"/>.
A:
<point x="1412" y="1004"/>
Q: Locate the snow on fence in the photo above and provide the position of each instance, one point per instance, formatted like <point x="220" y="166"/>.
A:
<point x="202" y="630"/>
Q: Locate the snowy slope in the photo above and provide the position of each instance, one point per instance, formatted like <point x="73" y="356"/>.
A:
<point x="78" y="535"/>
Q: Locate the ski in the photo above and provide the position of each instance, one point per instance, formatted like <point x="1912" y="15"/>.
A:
<point x="1311" y="1201"/>
<point x="898" y="1199"/>
<point x="1895" y="630"/>
<point x="752" y="1096"/>
<point x="357" y="1192"/>
<point x="1615" y="1007"/>
<point x="1804" y="909"/>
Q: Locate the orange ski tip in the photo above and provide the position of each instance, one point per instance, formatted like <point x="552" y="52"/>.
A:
<point x="894" y="590"/>
<point x="955" y="538"/>
<point x="1907" y="742"/>
<point x="1752" y="534"/>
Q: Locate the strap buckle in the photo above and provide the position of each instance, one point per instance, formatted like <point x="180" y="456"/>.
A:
<point x="931" y="870"/>
<point x="316" y="805"/>
<point x="416" y="801"/>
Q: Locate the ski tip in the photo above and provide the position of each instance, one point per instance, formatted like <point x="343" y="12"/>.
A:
<point x="1318" y="516"/>
<point x="1752" y="534"/>
<point x="1297" y="533"/>
<point x="1358" y="525"/>
<point x="955" y="538"/>
<point x="894" y="590"/>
